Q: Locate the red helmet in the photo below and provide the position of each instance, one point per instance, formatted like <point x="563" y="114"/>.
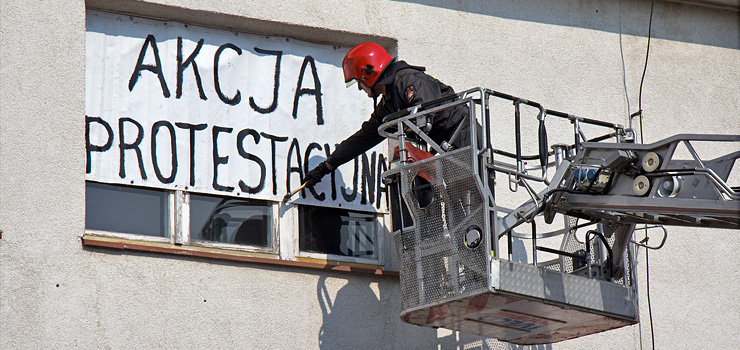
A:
<point x="365" y="62"/>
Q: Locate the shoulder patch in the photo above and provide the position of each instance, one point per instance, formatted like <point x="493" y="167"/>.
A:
<point x="410" y="93"/>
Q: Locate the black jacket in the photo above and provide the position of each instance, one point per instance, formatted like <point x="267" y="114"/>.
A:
<point x="408" y="86"/>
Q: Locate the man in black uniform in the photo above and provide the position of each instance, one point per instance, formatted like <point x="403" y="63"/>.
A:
<point x="401" y="86"/>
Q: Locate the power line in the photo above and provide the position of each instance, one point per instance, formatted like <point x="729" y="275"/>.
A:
<point x="642" y="140"/>
<point x="644" y="69"/>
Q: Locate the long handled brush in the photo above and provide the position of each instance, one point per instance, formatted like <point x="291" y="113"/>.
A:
<point x="287" y="196"/>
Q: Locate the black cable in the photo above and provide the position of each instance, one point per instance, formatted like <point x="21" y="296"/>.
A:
<point x="644" y="69"/>
<point x="642" y="140"/>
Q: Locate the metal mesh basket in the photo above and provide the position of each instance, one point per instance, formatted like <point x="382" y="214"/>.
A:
<point x="445" y="203"/>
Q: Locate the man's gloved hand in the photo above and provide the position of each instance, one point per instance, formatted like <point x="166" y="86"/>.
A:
<point x="314" y="176"/>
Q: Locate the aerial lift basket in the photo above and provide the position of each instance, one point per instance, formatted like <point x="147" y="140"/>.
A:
<point x="454" y="274"/>
<point x="451" y="279"/>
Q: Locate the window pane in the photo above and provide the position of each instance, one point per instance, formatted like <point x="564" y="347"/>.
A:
<point x="230" y="220"/>
<point x="338" y="231"/>
<point x="126" y="209"/>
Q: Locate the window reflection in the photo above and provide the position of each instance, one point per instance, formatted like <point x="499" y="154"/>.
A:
<point x="338" y="232"/>
<point x="230" y="220"/>
<point x="125" y="209"/>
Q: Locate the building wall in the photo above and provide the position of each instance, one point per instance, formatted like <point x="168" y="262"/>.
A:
<point x="583" y="57"/>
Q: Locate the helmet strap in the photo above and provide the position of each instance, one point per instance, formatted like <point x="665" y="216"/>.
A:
<point x="374" y="90"/>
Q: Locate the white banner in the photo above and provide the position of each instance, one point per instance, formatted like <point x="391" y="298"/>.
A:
<point x="177" y="106"/>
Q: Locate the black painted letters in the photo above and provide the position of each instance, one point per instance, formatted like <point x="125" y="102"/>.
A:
<point x="156" y="68"/>
<point x="238" y="97"/>
<point x="193" y="128"/>
<point x="123" y="146"/>
<point x="218" y="159"/>
<point x="95" y="148"/>
<point x="173" y="151"/>
<point x="316" y="91"/>
<point x="182" y="65"/>
<point x="240" y="148"/>
<point x="276" y="85"/>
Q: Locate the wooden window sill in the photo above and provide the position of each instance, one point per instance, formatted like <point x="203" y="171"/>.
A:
<point x="230" y="254"/>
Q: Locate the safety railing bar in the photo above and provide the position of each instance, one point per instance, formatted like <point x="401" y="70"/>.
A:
<point x="507" y="169"/>
<point x="418" y="110"/>
<point x="541" y="235"/>
<point x="533" y="195"/>
<point x="463" y="97"/>
<point x="580" y="132"/>
<point x="428" y="104"/>
<point x="536" y="156"/>
<point x="459" y="128"/>
<point x="424" y="136"/>
<point x="561" y="252"/>
<point x="390" y="123"/>
<point x="662" y="242"/>
<point x="571" y="117"/>
<point x="672" y="139"/>
<point x="518" y="138"/>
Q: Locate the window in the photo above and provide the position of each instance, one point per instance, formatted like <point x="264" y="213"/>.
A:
<point x="231" y="223"/>
<point x="230" y="220"/>
<point x="126" y="209"/>
<point x="338" y="232"/>
<point x="118" y="209"/>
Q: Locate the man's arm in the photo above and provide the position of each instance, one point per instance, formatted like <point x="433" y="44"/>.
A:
<point x="362" y="140"/>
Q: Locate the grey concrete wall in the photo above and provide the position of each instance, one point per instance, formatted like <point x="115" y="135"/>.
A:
<point x="583" y="57"/>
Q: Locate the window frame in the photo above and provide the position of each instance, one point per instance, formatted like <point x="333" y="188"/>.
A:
<point x="284" y="233"/>
<point x="169" y="218"/>
<point x="379" y="223"/>
<point x="182" y="234"/>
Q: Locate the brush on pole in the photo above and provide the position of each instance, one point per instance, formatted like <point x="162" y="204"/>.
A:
<point x="287" y="196"/>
